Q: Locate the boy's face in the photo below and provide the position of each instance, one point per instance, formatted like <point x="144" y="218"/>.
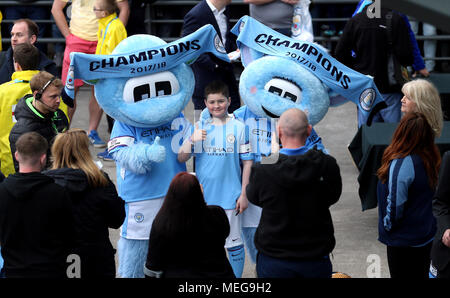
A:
<point x="217" y="105"/>
<point x="98" y="9"/>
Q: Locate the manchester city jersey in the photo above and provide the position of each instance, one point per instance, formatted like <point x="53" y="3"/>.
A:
<point x="217" y="165"/>
<point x="260" y="133"/>
<point x="154" y="184"/>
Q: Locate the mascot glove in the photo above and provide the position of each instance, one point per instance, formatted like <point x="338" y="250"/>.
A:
<point x="205" y="116"/>
<point x="156" y="152"/>
<point x="66" y="98"/>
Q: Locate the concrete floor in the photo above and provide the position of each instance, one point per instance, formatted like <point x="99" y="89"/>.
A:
<point x="357" y="251"/>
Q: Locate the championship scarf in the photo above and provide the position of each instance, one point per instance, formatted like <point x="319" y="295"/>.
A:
<point x="256" y="40"/>
<point x="90" y="68"/>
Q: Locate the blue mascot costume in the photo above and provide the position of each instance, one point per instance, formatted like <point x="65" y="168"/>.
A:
<point x="282" y="73"/>
<point x="144" y="85"/>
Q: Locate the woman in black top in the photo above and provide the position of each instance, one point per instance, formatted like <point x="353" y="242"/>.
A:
<point x="440" y="253"/>
<point x="95" y="203"/>
<point x="187" y="237"/>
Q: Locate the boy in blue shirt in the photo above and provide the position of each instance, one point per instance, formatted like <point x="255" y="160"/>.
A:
<point x="220" y="144"/>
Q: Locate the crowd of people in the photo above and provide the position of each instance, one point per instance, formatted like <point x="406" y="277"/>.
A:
<point x="55" y="201"/>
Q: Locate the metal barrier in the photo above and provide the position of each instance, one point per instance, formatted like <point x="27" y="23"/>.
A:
<point x="153" y="21"/>
<point x="161" y="3"/>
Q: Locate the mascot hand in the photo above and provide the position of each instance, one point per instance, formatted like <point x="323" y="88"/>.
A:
<point x="156" y="152"/>
<point x="67" y="99"/>
<point x="205" y="116"/>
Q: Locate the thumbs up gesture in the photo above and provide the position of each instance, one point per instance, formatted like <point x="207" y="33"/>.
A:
<point x="156" y="152"/>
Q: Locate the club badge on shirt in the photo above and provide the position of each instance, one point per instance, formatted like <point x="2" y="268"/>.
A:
<point x="139" y="217"/>
<point x="231" y="138"/>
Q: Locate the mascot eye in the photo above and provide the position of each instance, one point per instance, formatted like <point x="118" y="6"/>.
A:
<point x="141" y="92"/>
<point x="275" y="90"/>
<point x="163" y="88"/>
<point x="291" y="96"/>
<point x="149" y="86"/>
<point x="284" y="88"/>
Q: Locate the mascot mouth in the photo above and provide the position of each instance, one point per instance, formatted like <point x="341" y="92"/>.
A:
<point x="271" y="115"/>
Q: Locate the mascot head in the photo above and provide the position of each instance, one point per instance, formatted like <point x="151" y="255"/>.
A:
<point x="149" y="100"/>
<point x="145" y="82"/>
<point x="271" y="85"/>
<point x="282" y="73"/>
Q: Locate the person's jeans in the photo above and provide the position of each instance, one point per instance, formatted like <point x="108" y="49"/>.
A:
<point x="248" y="234"/>
<point x="269" y="267"/>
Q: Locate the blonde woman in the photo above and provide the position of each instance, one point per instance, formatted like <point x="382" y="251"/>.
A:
<point x="422" y="96"/>
<point x="96" y="204"/>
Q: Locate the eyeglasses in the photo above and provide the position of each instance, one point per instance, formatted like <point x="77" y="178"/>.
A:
<point x="97" y="9"/>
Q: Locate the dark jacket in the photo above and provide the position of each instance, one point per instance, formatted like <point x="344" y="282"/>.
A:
<point x="29" y="119"/>
<point x="207" y="67"/>
<point x="406" y="220"/>
<point x="197" y="253"/>
<point x="367" y="37"/>
<point x="36" y="228"/>
<point x="440" y="254"/>
<point x="295" y="194"/>
<point x="95" y="210"/>
<point x="7" y="68"/>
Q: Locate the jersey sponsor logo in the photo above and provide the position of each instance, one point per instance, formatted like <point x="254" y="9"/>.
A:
<point x="218" y="149"/>
<point x="156" y="131"/>
<point x="262" y="132"/>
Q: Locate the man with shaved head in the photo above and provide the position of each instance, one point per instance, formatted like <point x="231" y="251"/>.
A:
<point x="295" y="234"/>
<point x="293" y="128"/>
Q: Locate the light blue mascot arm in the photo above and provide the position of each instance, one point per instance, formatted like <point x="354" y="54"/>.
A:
<point x="138" y="158"/>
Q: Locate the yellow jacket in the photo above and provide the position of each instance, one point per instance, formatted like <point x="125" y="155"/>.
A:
<point x="111" y="32"/>
<point x="10" y="93"/>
